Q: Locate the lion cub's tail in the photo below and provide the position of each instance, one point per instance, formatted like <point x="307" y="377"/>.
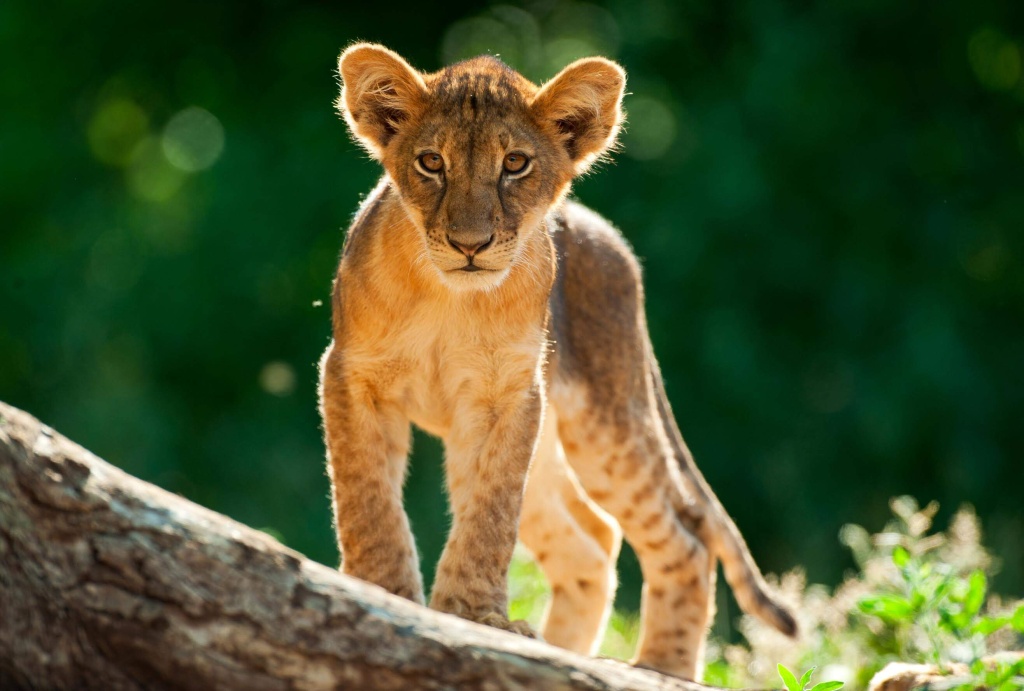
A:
<point x="720" y="534"/>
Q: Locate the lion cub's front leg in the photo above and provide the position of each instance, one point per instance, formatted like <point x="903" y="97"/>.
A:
<point x="488" y="453"/>
<point x="367" y="446"/>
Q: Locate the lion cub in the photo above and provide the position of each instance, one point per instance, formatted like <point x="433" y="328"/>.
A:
<point x="473" y="300"/>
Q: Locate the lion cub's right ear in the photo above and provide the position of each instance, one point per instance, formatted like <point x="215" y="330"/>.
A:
<point x="379" y="92"/>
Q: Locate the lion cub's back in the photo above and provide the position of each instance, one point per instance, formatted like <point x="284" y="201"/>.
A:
<point x="597" y="323"/>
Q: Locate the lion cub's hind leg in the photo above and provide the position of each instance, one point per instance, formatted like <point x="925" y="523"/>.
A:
<point x="628" y="469"/>
<point x="576" y="545"/>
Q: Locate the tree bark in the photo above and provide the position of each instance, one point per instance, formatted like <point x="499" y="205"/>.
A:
<point x="107" y="582"/>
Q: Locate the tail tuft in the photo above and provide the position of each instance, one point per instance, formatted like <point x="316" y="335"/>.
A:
<point x="779" y="617"/>
<point x="752" y="594"/>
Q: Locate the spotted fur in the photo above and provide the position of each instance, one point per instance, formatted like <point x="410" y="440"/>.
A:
<point x="481" y="306"/>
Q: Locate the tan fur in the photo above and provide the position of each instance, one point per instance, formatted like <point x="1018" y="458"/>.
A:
<point x="551" y="320"/>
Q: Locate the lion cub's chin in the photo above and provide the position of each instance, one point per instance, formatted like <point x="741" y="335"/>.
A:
<point x="474" y="281"/>
<point x="465" y="281"/>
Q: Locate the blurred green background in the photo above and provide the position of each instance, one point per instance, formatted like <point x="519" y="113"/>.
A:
<point x="828" y="198"/>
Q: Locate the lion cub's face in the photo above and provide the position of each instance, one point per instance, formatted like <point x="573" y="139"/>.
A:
<point x="477" y="153"/>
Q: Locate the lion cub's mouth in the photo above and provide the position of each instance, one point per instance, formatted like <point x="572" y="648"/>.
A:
<point x="470" y="268"/>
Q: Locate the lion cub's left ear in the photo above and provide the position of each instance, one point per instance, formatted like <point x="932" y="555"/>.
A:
<point x="583" y="106"/>
<point x="380" y="93"/>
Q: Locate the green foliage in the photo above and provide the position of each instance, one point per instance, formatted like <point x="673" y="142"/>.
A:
<point x="792" y="684"/>
<point x="1000" y="676"/>
<point x="935" y="615"/>
<point x="933" y="605"/>
<point x="917" y="597"/>
<point x="931" y="598"/>
<point x="528" y="590"/>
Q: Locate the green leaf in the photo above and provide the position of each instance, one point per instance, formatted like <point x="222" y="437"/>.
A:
<point x="787" y="677"/>
<point x="941" y="589"/>
<point x="917" y="599"/>
<point x="953" y="621"/>
<point x="989" y="625"/>
<point x="976" y="588"/>
<point x="1011" y="677"/>
<point x="890" y="607"/>
<point x="900" y="556"/>
<point x="1005" y="677"/>
<point x="1016" y="669"/>
<point x="718" y="673"/>
<point x="827" y="686"/>
<point x="806" y="677"/>
<point x="1018" y="619"/>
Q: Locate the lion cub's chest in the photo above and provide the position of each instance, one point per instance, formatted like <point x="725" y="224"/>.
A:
<point x="437" y="364"/>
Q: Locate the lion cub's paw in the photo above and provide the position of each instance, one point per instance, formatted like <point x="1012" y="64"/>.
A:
<point x="499" y="622"/>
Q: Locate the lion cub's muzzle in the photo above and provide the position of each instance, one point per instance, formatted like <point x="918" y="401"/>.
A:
<point x="470" y="245"/>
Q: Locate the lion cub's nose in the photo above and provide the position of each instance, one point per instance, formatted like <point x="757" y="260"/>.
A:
<point x="471" y="249"/>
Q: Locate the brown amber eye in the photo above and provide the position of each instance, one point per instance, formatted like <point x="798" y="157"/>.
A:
<point x="432" y="162"/>
<point x="515" y="162"/>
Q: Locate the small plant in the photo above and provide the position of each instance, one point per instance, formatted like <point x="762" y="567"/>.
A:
<point x="931" y="613"/>
<point x="789" y="679"/>
<point x="918" y="597"/>
<point x="931" y="599"/>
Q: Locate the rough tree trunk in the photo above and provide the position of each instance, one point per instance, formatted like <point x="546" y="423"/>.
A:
<point x="107" y="582"/>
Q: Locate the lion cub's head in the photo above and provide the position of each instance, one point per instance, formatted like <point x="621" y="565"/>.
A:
<point x="478" y="153"/>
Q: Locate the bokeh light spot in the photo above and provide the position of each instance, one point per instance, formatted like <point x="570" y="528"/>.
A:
<point x="479" y="36"/>
<point x="115" y="130"/>
<point x="277" y="378"/>
<point x="150" y="175"/>
<point x="651" y="130"/>
<point x="538" y="43"/>
<point x="577" y="29"/>
<point x="561" y="51"/>
<point x="193" y="139"/>
<point x="526" y="29"/>
<point x="987" y="263"/>
<point x="994" y="58"/>
<point x="273" y="532"/>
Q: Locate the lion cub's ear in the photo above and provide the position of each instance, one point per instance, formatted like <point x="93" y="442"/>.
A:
<point x="583" y="104"/>
<point x="379" y="92"/>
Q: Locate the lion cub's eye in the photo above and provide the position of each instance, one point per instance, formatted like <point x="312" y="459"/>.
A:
<point x="431" y="162"/>
<point x="515" y="162"/>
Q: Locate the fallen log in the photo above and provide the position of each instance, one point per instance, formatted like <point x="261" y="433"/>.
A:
<point x="950" y="676"/>
<point x="108" y="582"/>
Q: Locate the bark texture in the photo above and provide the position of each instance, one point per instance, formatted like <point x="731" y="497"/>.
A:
<point x="107" y="582"/>
<point x="903" y="676"/>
